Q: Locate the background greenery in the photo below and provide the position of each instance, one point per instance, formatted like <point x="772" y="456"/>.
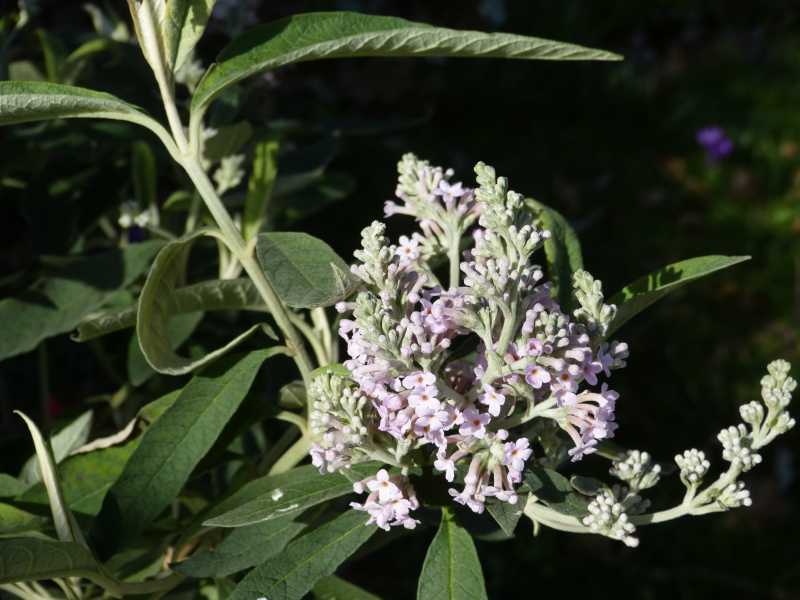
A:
<point x="610" y="145"/>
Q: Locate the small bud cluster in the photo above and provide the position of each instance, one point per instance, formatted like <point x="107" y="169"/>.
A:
<point x="229" y="174"/>
<point x="609" y="517"/>
<point x="734" y="496"/>
<point x="131" y="214"/>
<point x="636" y="469"/>
<point x="693" y="466"/>
<point x="738" y="447"/>
<point x="405" y="391"/>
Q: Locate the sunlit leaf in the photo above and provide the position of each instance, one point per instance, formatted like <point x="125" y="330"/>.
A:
<point x="172" y="446"/>
<point x="643" y="292"/>
<point x="451" y="570"/>
<point x="344" y="34"/>
<point x="290" y="574"/>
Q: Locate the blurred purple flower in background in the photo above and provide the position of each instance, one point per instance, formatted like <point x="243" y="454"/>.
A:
<point x="714" y="143"/>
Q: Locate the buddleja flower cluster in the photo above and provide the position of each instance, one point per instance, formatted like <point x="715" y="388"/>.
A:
<point x="440" y="375"/>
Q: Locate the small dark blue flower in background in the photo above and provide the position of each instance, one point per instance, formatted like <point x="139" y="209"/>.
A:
<point x="135" y="235"/>
<point x="714" y="143"/>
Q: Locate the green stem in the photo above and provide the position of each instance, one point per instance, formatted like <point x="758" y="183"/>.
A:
<point x="122" y="588"/>
<point x="292" y="456"/>
<point x="311" y="336"/>
<point x="454" y="255"/>
<point x="555" y="520"/>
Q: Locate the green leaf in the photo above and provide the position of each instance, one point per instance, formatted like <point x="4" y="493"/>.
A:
<point x="259" y="187"/>
<point x="507" y="515"/>
<point x="10" y="486"/>
<point x="293" y="395"/>
<point x="66" y="527"/>
<point x="337" y="369"/>
<point x="304" y="271"/>
<point x="451" y="570"/>
<point x="143" y="174"/>
<point x="14" y="520"/>
<point x="85" y="479"/>
<point x="58" y="302"/>
<point x="245" y="547"/>
<point x="336" y="588"/>
<point x="555" y="491"/>
<point x="63" y="443"/>
<point x="153" y="313"/>
<point x="186" y="20"/>
<point x="563" y="251"/>
<point x="179" y="328"/>
<point x="21" y="102"/>
<point x="291" y="498"/>
<point x="153" y="410"/>
<point x="345" y="34"/>
<point x="171" y="448"/>
<point x="220" y="294"/>
<point x="290" y="574"/>
<point x="588" y="486"/>
<point x="643" y="292"/>
<point x="250" y="491"/>
<point x="31" y="560"/>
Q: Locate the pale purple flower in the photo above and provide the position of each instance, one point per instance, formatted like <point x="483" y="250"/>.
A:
<point x="474" y="422"/>
<point x="424" y="401"/>
<point x="494" y="400"/>
<point x="714" y="143"/>
<point x="536" y="375"/>
<point x="533" y="347"/>
<point x="516" y="454"/>
<point x="430" y="427"/>
<point x="585" y="447"/>
<point x="449" y="192"/>
<point x="567" y="377"/>
<point x="590" y="369"/>
<point x="605" y="361"/>
<point x="443" y="463"/>
<point x="407" y="248"/>
<point x="382" y="485"/>
<point x="318" y="457"/>
<point x="418" y="379"/>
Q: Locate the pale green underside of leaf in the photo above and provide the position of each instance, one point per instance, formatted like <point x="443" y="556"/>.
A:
<point x="154" y="305"/>
<point x="185" y="22"/>
<point x="66" y="527"/>
<point x="63" y="443"/>
<point x="643" y="292"/>
<point x="304" y="270"/>
<point x="245" y="547"/>
<point x="343" y="34"/>
<point x="31" y="560"/>
<point x="173" y="446"/>
<point x="23" y="101"/>
<point x="290" y="574"/>
<point x="451" y="570"/>
<point x="56" y="304"/>
<point x="294" y="497"/>
<point x="179" y="329"/>
<point x="220" y="294"/>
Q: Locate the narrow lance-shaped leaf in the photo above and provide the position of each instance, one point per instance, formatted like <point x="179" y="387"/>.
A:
<point x="66" y="527"/>
<point x="31" y="560"/>
<point x="344" y="34"/>
<point x="179" y="329"/>
<point x="290" y="574"/>
<point x="186" y="20"/>
<point x="304" y="270"/>
<point x="14" y="521"/>
<point x="643" y="292"/>
<point x="172" y="446"/>
<point x="63" y="443"/>
<point x="220" y="294"/>
<point x="153" y="313"/>
<point x="259" y="187"/>
<point x="56" y="303"/>
<point x="451" y="570"/>
<point x="23" y="101"/>
<point x="245" y="547"/>
<point x="293" y="498"/>
<point x="563" y="251"/>
<point x="555" y="491"/>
